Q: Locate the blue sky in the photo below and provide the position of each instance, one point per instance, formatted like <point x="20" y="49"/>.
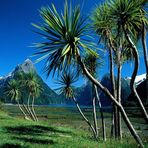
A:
<point x="16" y="35"/>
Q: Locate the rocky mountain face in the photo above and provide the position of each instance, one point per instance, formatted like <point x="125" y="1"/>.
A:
<point x="125" y="90"/>
<point x="84" y="93"/>
<point x="48" y="96"/>
<point x="25" y="67"/>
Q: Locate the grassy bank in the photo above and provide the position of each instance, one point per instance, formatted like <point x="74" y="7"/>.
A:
<point x="58" y="127"/>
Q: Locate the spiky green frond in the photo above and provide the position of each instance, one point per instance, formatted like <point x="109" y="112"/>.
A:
<point x="128" y="14"/>
<point x="101" y="21"/>
<point x="13" y="90"/>
<point x="113" y="15"/>
<point x="92" y="63"/>
<point x="66" y="81"/>
<point x="64" y="34"/>
<point x="32" y="84"/>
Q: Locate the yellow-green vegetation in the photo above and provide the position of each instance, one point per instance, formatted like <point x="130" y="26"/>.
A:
<point x="57" y="127"/>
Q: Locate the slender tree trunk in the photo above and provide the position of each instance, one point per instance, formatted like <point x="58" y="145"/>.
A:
<point x="119" y="93"/>
<point x="21" y="109"/>
<point x="114" y="127"/>
<point x="30" y="112"/>
<point x="106" y="91"/>
<point x="94" y="111"/>
<point x="113" y="123"/>
<point x="85" y="119"/>
<point x="145" y="57"/>
<point x="136" y="65"/>
<point x="26" y="109"/>
<point x="101" y="112"/>
<point x="33" y="111"/>
<point x="95" y="117"/>
<point x="112" y="69"/>
<point x="145" y="48"/>
<point x="130" y="127"/>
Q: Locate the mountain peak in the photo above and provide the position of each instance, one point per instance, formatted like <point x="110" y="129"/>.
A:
<point x="47" y="96"/>
<point x="27" y="61"/>
<point x="25" y="67"/>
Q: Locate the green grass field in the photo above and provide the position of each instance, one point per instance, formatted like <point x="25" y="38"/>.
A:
<point x="59" y="128"/>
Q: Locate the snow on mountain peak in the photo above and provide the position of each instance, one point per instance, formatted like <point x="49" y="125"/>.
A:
<point x="139" y="78"/>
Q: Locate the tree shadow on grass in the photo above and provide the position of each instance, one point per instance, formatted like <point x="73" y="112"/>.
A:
<point x="33" y="130"/>
<point x="11" y="145"/>
<point x="33" y="134"/>
<point x="35" y="140"/>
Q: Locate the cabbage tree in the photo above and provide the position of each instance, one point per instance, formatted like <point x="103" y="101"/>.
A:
<point x="13" y="90"/>
<point x="66" y="87"/>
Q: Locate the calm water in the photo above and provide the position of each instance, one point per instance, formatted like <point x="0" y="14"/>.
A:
<point x="109" y="108"/>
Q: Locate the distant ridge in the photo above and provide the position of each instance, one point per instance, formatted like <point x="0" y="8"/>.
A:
<point x="84" y="93"/>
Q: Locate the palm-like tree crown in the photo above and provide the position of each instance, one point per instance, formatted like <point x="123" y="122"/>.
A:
<point x="13" y="90"/>
<point x="128" y="14"/>
<point x="64" y="37"/>
<point x="66" y="82"/>
<point x="32" y="84"/>
<point x="113" y="15"/>
<point x="103" y="26"/>
<point x="101" y="22"/>
<point x="92" y="63"/>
